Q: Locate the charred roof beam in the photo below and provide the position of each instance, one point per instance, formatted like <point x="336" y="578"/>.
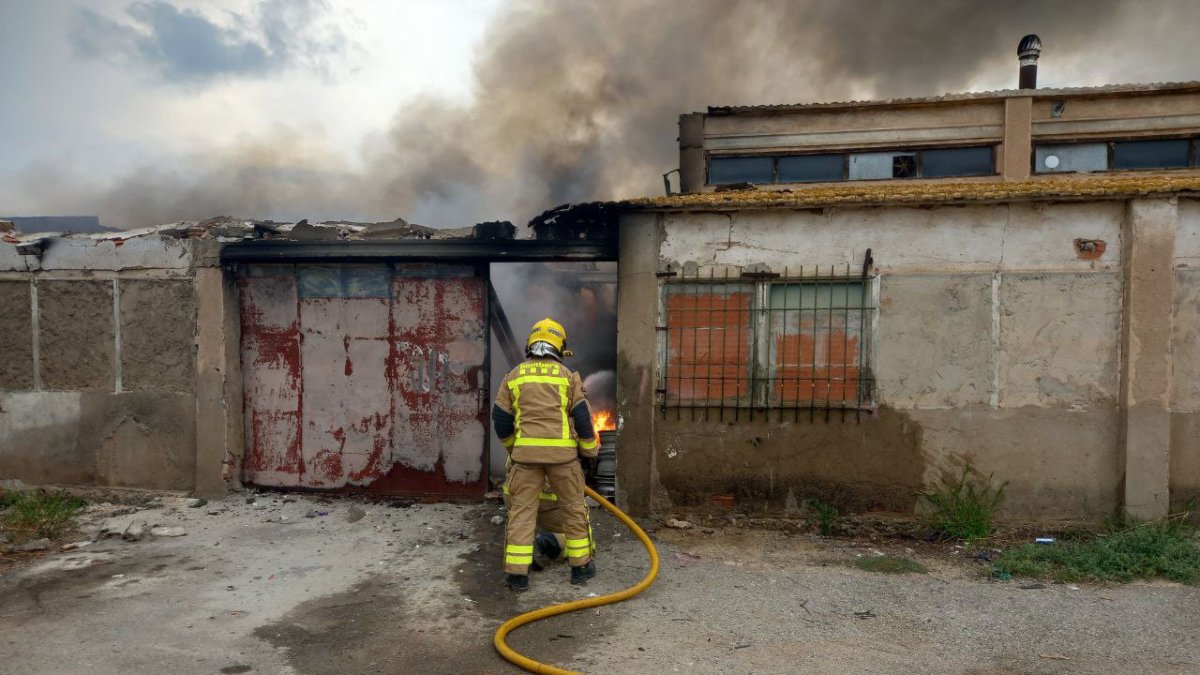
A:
<point x="466" y="250"/>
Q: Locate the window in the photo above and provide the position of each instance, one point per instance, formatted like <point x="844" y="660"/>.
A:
<point x="957" y="162"/>
<point x="1071" y="158"/>
<point x="1157" y="153"/>
<point x="876" y="165"/>
<point x="345" y="281"/>
<point x="932" y="163"/>
<point x="811" y="168"/>
<point x="1166" y="154"/>
<point x="739" y="346"/>
<point x="732" y="170"/>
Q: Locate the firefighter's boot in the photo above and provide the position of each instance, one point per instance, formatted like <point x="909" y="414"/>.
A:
<point x="582" y="573"/>
<point x="547" y="544"/>
<point x="519" y="583"/>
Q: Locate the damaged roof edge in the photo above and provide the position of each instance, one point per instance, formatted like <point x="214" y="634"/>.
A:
<point x="469" y="250"/>
<point x="885" y="194"/>
<point x="228" y="229"/>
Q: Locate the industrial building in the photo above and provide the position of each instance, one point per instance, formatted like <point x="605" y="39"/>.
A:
<point x="844" y="300"/>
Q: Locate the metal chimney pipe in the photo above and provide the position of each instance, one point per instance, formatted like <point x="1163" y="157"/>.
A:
<point x="1028" y="52"/>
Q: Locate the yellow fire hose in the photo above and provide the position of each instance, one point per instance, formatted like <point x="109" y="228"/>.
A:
<point x="554" y="610"/>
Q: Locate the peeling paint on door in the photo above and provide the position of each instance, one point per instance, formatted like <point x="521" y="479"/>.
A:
<point x="366" y="377"/>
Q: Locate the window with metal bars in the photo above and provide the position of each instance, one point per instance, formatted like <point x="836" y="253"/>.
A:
<point x="741" y="346"/>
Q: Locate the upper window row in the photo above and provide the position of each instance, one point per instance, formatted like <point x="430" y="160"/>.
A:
<point x="933" y="163"/>
<point x="1171" y="153"/>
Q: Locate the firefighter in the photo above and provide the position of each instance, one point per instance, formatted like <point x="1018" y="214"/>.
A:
<point x="549" y="544"/>
<point x="545" y="423"/>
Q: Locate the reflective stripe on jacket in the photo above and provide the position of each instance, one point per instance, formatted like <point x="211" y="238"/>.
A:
<point x="540" y="394"/>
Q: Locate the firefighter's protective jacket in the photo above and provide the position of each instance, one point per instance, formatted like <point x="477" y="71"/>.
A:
<point x="542" y="415"/>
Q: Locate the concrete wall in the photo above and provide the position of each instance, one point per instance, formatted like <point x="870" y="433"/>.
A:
<point x="997" y="345"/>
<point x="98" y="384"/>
<point x="1185" y="359"/>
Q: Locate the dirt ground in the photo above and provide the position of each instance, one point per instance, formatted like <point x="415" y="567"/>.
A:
<point x="372" y="588"/>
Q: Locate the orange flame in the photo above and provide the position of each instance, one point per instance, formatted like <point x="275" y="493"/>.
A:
<point x="603" y="421"/>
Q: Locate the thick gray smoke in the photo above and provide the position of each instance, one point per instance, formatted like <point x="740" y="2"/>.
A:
<point x="579" y="100"/>
<point x="583" y="297"/>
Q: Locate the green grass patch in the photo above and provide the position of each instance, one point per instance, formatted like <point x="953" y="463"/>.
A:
<point x="7" y="499"/>
<point x="827" y="516"/>
<point x="1125" y="551"/>
<point x="889" y="564"/>
<point x="964" y="509"/>
<point x="39" y="513"/>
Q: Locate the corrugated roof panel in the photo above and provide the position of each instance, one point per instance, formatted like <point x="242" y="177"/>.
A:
<point x="965" y="96"/>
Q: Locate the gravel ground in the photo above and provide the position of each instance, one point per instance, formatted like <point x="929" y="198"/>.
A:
<point x="259" y="588"/>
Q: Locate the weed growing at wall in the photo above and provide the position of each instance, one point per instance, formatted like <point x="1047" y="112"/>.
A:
<point x="964" y="509"/>
<point x="38" y="514"/>
<point x="1125" y="551"/>
<point x="827" y="515"/>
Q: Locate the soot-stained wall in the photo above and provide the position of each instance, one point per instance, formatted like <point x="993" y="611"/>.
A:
<point x="996" y="345"/>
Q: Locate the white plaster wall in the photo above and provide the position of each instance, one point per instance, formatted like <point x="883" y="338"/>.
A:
<point x="979" y="306"/>
<point x="39" y="434"/>
<point x="1187" y="234"/>
<point x="1059" y="339"/>
<point x="138" y="253"/>
<point x="150" y="252"/>
<point x="934" y="341"/>
<point x="1015" y="237"/>
<point x="1002" y="341"/>
<point x="35" y="411"/>
<point x="1185" y="342"/>
<point x="11" y="261"/>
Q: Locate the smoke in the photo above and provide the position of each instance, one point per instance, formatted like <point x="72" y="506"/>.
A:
<point x="581" y="296"/>
<point x="579" y="101"/>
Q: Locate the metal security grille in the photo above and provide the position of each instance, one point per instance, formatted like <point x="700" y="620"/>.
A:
<point x="746" y="345"/>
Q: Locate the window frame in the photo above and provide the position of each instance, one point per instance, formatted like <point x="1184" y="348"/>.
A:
<point x="758" y="371"/>
<point x="917" y="151"/>
<point x="1111" y="143"/>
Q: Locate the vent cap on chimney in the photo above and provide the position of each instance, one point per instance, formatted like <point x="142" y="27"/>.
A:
<point x="1029" y="47"/>
<point x="1028" y="51"/>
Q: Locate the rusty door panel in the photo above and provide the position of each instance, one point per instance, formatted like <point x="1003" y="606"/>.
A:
<point x="440" y="359"/>
<point x="386" y="393"/>
<point x="271" y="368"/>
<point x="347" y="412"/>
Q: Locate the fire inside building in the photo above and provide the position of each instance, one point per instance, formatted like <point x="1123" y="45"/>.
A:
<point x="843" y="300"/>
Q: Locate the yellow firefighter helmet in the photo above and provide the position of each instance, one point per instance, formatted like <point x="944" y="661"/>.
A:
<point x="549" y="331"/>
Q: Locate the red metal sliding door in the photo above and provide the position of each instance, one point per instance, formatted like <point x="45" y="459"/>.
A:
<point x="370" y="378"/>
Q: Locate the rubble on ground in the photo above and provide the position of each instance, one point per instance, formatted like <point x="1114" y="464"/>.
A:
<point x="31" y="546"/>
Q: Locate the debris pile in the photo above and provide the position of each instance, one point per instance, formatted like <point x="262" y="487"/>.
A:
<point x="227" y="229"/>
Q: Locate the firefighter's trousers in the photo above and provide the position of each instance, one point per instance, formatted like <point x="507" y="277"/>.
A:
<point x="525" y="483"/>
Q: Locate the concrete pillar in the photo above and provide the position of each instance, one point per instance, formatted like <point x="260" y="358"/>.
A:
<point x="1018" y="138"/>
<point x="637" y="298"/>
<point x="1146" y="324"/>
<point x="219" y="436"/>
<point x="691" y="152"/>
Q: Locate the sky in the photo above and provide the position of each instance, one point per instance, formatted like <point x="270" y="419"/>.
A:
<point x="75" y="96"/>
<point x="446" y="113"/>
